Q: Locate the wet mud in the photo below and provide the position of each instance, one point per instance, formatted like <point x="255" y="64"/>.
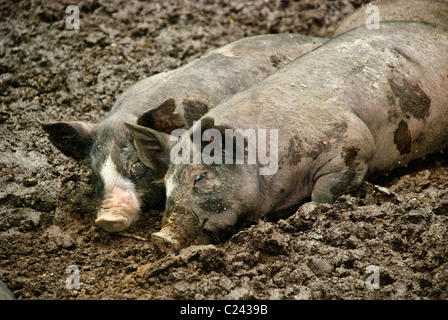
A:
<point x="394" y="229"/>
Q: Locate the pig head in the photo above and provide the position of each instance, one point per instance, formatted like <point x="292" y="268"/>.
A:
<point x="206" y="208"/>
<point x="122" y="182"/>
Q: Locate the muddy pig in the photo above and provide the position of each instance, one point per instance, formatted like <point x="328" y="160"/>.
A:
<point x="432" y="11"/>
<point x="363" y="103"/>
<point x="167" y="101"/>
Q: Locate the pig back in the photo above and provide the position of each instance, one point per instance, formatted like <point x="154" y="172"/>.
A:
<point x="433" y="11"/>
<point x="404" y="96"/>
<point x="198" y="86"/>
<point x="395" y="80"/>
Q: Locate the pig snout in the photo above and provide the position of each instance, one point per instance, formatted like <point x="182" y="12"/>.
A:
<point x="118" y="211"/>
<point x="166" y="240"/>
<point x="178" y="231"/>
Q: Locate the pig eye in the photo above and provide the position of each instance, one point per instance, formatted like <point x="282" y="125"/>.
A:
<point x="199" y="178"/>
<point x="138" y="169"/>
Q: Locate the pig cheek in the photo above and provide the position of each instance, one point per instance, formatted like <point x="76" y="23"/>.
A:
<point x="150" y="192"/>
<point x="118" y="211"/>
<point x="219" y="227"/>
<point x="219" y="219"/>
<point x="99" y="188"/>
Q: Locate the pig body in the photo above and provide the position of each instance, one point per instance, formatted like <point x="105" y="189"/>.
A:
<point x="365" y="102"/>
<point x="432" y="11"/>
<point x="166" y="101"/>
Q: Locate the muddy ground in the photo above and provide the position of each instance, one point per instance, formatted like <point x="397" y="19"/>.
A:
<point x="397" y="224"/>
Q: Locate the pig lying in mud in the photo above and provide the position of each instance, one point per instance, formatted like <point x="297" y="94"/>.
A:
<point x="432" y="11"/>
<point x="363" y="103"/>
<point x="168" y="100"/>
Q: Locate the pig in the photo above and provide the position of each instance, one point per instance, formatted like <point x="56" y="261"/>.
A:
<point x="165" y="101"/>
<point x="432" y="11"/>
<point x="362" y="104"/>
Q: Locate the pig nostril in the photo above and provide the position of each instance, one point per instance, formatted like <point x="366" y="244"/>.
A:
<point x="164" y="242"/>
<point x="167" y="245"/>
<point x="112" y="225"/>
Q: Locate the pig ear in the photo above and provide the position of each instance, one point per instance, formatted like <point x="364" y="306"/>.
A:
<point x="162" y="118"/>
<point x="209" y="123"/>
<point x="202" y="124"/>
<point x="72" y="138"/>
<point x="152" y="146"/>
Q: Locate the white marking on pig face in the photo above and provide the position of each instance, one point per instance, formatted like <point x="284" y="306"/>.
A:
<point x="120" y="205"/>
<point x="112" y="178"/>
<point x="170" y="186"/>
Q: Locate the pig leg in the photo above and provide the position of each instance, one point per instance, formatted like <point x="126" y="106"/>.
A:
<point x="336" y="180"/>
<point x="341" y="173"/>
<point x="342" y="169"/>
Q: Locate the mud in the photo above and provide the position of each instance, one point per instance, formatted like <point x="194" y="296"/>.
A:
<point x="396" y="224"/>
